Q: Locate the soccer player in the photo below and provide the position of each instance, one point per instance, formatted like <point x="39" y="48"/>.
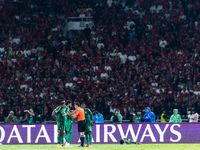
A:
<point x="80" y="115"/>
<point x="31" y="115"/>
<point x="88" y="125"/>
<point x="68" y="125"/>
<point x="128" y="141"/>
<point x="59" y="115"/>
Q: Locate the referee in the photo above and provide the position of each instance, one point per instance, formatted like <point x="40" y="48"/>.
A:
<point x="80" y="115"/>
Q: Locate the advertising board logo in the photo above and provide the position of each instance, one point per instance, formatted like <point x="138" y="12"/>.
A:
<point x="102" y="133"/>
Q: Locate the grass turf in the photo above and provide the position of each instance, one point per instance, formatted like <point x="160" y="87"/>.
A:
<point x="106" y="147"/>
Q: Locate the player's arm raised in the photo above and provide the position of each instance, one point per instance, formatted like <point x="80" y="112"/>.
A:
<point x="30" y="113"/>
<point x="54" y="117"/>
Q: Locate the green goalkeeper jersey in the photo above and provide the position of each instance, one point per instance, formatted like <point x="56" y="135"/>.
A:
<point x="88" y="114"/>
<point x="129" y="140"/>
<point x="60" y="114"/>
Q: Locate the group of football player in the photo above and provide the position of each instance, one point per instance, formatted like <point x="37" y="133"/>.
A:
<point x="64" y="117"/>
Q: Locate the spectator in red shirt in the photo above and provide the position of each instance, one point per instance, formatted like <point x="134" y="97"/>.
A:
<point x="170" y="95"/>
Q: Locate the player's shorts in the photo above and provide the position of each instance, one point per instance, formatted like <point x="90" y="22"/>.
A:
<point x="81" y="126"/>
<point x="61" y="126"/>
<point x="88" y="127"/>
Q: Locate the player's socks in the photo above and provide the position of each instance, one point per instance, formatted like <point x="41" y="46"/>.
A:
<point x="58" y="140"/>
<point x="64" y="141"/>
<point x="68" y="137"/>
<point x="90" y="137"/>
<point x="87" y="139"/>
<point x="61" y="139"/>
<point x="82" y="140"/>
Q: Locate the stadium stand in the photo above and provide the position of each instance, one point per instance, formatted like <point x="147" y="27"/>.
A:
<point x="136" y="54"/>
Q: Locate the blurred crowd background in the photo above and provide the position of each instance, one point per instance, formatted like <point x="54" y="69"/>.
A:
<point x="138" y="53"/>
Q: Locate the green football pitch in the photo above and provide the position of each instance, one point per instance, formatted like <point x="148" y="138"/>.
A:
<point x="106" y="147"/>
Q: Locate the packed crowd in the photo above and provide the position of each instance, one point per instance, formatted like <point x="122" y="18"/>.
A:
<point x="137" y="54"/>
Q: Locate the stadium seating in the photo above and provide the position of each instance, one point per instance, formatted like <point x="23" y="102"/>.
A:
<point x="136" y="55"/>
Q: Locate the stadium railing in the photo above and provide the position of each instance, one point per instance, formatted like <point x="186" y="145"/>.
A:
<point x="124" y="121"/>
<point x="105" y="121"/>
